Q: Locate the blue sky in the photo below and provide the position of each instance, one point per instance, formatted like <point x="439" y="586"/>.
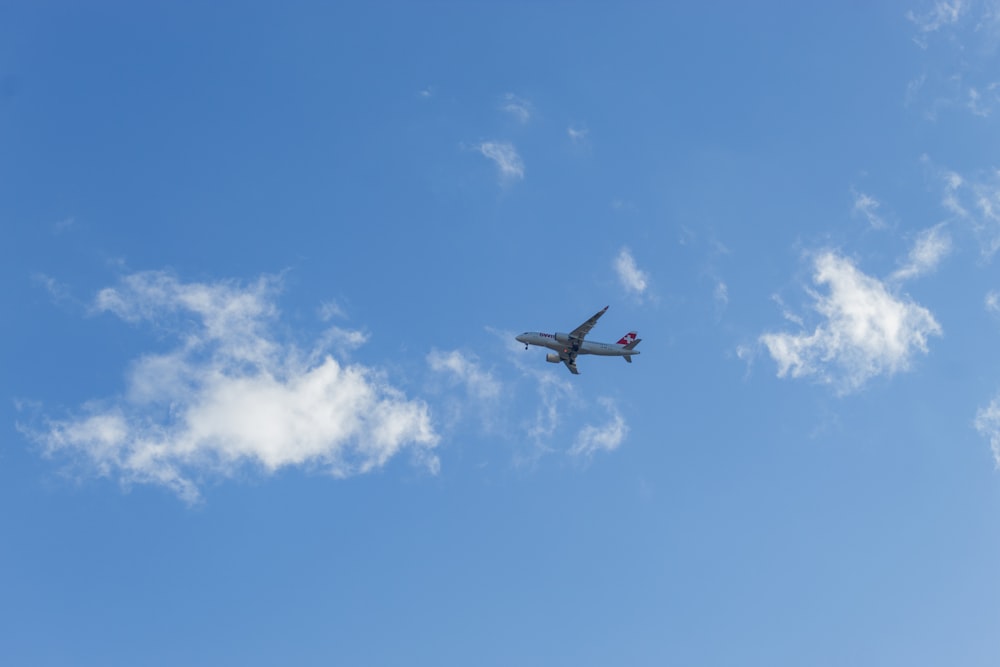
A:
<point x="263" y="267"/>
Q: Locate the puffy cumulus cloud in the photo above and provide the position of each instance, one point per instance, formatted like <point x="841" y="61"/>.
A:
<point x="633" y="279"/>
<point x="607" y="438"/>
<point x="865" y="330"/>
<point x="464" y="368"/>
<point x="506" y="158"/>
<point x="930" y="247"/>
<point x="987" y="423"/>
<point x="231" y="394"/>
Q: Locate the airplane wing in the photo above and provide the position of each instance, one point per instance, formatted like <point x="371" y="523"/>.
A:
<point x="569" y="358"/>
<point x="581" y="331"/>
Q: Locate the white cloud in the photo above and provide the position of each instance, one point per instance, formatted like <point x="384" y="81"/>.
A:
<point x="866" y="330"/>
<point x="329" y="310"/>
<point x="958" y="77"/>
<point x="231" y="394"/>
<point x="942" y="13"/>
<point x="975" y="103"/>
<point x="506" y="158"/>
<point x="607" y="438"/>
<point x="988" y="424"/>
<point x="992" y="302"/>
<point x="631" y="277"/>
<point x="464" y="367"/>
<point x="519" y="108"/>
<point x="930" y="247"/>
<point x="552" y="393"/>
<point x="786" y="313"/>
<point x="721" y="294"/>
<point x="868" y="206"/>
<point x="975" y="200"/>
<point x="341" y="340"/>
<point x="58" y="291"/>
<point x="577" y="135"/>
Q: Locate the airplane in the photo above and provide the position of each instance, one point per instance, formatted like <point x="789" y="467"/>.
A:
<point x="572" y="344"/>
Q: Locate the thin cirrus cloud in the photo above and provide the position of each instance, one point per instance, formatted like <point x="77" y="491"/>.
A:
<point x="231" y="394"/>
<point x="505" y="156"/>
<point x="987" y="423"/>
<point x="518" y="107"/>
<point x="865" y="330"/>
<point x="930" y="247"/>
<point x="992" y="302"/>
<point x="942" y="13"/>
<point x="975" y="201"/>
<point x="577" y="134"/>
<point x="721" y="294"/>
<point x="605" y="438"/>
<point x="867" y="206"/>
<point x="632" y="278"/>
<point x="958" y="73"/>
<point x="464" y="368"/>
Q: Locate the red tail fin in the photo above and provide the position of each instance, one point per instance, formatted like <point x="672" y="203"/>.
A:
<point x="627" y="338"/>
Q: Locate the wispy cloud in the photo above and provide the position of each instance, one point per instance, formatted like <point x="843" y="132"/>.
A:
<point x="975" y="201"/>
<point x="329" y="310"/>
<point x="992" y="302"/>
<point x="721" y="294"/>
<point x="941" y="14"/>
<point x="506" y="158"/>
<point x="577" y="134"/>
<point x="868" y="206"/>
<point x="464" y="367"/>
<point x="961" y="76"/>
<point x="987" y="423"/>
<point x="554" y="395"/>
<point x="865" y="330"/>
<point x="338" y="339"/>
<point x="518" y="107"/>
<point x="59" y="292"/>
<point x="607" y="438"/>
<point x="633" y="279"/>
<point x="981" y="103"/>
<point x="64" y="225"/>
<point x="930" y="247"/>
<point x="233" y="394"/>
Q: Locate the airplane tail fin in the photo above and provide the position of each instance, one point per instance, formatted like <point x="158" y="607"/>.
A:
<point x="628" y="339"/>
<point x="630" y="346"/>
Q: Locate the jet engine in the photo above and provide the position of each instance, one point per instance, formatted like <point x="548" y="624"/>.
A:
<point x="562" y="337"/>
<point x="552" y="358"/>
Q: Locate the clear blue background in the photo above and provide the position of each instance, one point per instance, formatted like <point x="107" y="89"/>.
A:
<point x="744" y="519"/>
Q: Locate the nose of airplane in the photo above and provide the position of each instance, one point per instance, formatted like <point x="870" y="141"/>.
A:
<point x="520" y="339"/>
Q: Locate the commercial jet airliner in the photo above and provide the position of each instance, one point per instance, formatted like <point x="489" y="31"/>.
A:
<point x="572" y="344"/>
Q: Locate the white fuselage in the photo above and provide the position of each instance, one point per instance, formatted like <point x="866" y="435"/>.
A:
<point x="560" y="342"/>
